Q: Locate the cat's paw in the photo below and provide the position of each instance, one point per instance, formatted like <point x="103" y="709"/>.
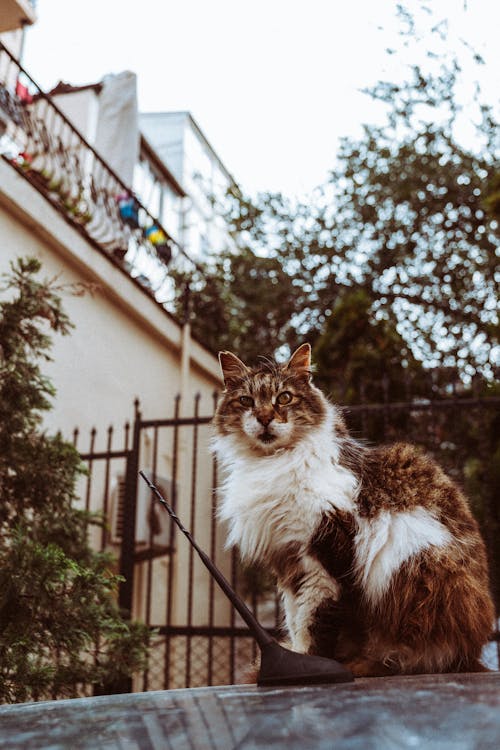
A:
<point x="364" y="667"/>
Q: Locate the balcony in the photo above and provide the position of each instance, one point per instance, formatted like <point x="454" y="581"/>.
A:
<point x="14" y="14"/>
<point x="43" y="146"/>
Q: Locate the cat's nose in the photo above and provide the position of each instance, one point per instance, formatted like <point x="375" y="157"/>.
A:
<point x="265" y="418"/>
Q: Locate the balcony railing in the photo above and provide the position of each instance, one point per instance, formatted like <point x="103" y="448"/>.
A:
<point x="39" y="141"/>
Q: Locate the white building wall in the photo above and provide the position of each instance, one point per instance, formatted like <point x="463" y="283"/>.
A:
<point x="13" y="40"/>
<point x="165" y="131"/>
<point x="185" y="151"/>
<point x="124" y="345"/>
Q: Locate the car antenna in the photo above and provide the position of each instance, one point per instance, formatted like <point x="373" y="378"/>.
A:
<point x="278" y="665"/>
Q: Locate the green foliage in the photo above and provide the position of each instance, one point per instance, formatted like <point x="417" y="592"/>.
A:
<point x="491" y="201"/>
<point x="357" y="355"/>
<point x="241" y="301"/>
<point x="60" y="629"/>
<point x="399" y="248"/>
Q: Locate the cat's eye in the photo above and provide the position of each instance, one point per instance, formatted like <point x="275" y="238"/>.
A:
<point x="246" y="400"/>
<point x="284" y="398"/>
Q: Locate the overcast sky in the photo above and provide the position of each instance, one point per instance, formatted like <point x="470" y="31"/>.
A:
<point x="272" y="83"/>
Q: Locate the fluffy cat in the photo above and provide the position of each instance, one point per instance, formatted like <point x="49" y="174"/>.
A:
<point x="377" y="556"/>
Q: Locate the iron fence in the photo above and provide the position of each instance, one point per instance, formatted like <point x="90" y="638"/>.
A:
<point x="38" y="140"/>
<point x="199" y="639"/>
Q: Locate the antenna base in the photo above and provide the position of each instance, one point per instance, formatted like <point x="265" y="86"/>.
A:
<point x="280" y="666"/>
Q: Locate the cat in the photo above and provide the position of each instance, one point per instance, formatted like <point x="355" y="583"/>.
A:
<point x="377" y="557"/>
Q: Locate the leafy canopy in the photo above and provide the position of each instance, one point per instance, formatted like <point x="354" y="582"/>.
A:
<point x="404" y="235"/>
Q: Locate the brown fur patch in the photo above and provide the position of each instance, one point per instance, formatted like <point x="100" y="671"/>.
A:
<point x="338" y="629"/>
<point x="438" y="613"/>
<point x="287" y="566"/>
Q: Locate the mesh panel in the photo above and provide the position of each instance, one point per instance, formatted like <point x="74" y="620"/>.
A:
<point x="189" y="659"/>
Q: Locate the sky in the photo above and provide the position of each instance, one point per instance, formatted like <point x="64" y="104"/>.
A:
<point x="273" y="84"/>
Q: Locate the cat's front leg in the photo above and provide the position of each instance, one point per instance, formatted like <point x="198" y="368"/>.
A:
<point x="312" y="589"/>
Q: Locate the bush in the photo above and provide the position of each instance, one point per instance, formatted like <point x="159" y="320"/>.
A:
<point x="60" y="628"/>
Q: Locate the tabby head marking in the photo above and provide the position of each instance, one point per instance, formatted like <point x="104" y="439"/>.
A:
<point x="269" y="407"/>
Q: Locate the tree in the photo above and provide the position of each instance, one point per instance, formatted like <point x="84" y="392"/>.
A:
<point x="60" y="628"/>
<point x="361" y="357"/>
<point x="407" y="226"/>
<point x="491" y="201"/>
<point x="241" y="301"/>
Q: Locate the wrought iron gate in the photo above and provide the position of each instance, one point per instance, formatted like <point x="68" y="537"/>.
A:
<point x="198" y="638"/>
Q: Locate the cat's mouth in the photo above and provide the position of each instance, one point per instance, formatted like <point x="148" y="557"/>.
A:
<point x="266" y="437"/>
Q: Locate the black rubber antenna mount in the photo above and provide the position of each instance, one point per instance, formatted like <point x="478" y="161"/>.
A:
<point x="278" y="665"/>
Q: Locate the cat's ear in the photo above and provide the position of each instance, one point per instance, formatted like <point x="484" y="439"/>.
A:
<point x="300" y="361"/>
<point x="233" y="369"/>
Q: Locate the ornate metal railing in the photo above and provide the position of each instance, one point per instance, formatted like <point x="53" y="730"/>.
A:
<point x="39" y="141"/>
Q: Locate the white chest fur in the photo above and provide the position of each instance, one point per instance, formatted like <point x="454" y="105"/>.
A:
<point x="272" y="501"/>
